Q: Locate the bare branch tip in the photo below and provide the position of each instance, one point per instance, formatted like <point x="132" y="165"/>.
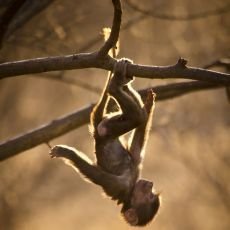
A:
<point x="114" y="35"/>
<point x="48" y="144"/>
<point x="182" y="62"/>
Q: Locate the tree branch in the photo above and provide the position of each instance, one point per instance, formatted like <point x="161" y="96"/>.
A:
<point x="44" y="133"/>
<point x="102" y="60"/>
<point x="114" y="35"/>
<point x="92" y="60"/>
<point x="179" y="70"/>
<point x="80" y="117"/>
<point x="223" y="62"/>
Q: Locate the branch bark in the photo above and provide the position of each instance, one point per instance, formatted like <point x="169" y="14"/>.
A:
<point x="92" y="60"/>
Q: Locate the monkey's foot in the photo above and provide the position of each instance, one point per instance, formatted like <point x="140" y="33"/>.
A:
<point x="149" y="101"/>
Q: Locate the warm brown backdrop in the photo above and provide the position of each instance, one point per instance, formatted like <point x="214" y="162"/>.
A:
<point x="188" y="151"/>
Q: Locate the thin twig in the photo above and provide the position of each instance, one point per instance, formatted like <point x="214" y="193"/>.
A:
<point x="114" y="35"/>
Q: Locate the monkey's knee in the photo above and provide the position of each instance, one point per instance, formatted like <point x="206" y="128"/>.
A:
<point x="101" y="129"/>
<point x="114" y="89"/>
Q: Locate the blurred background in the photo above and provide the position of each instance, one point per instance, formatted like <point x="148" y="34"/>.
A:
<point x="187" y="155"/>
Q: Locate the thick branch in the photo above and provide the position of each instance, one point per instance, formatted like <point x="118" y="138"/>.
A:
<point x="92" y="60"/>
<point x="179" y="71"/>
<point x="76" y="119"/>
<point x="40" y="65"/>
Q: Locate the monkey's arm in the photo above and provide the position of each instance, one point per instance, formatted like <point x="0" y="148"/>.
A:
<point x="98" y="110"/>
<point x="82" y="163"/>
<point x="140" y="134"/>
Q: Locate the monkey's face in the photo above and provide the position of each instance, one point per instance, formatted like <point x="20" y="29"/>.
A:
<point x="143" y="193"/>
<point x="144" y="204"/>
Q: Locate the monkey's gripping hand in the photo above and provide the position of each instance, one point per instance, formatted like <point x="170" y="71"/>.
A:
<point x="62" y="151"/>
<point x="120" y="76"/>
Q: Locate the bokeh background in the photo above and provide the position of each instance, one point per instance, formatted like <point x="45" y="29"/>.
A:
<point x="187" y="156"/>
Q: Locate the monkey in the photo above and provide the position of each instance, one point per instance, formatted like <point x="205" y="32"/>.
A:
<point x="117" y="168"/>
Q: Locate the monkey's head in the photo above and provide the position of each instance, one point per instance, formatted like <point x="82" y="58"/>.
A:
<point x="143" y="204"/>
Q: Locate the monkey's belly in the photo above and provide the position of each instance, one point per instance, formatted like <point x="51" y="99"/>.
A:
<point x="113" y="158"/>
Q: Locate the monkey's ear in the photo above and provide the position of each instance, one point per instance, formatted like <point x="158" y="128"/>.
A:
<point x="131" y="216"/>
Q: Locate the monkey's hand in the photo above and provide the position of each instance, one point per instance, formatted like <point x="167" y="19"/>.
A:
<point x="62" y="151"/>
<point x="120" y="73"/>
<point x="149" y="101"/>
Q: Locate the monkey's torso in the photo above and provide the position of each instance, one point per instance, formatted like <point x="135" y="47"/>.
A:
<point x="113" y="158"/>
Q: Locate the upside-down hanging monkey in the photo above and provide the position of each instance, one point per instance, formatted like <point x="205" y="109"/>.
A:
<point x="117" y="167"/>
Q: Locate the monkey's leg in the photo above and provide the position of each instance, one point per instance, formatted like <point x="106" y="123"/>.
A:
<point x="98" y="110"/>
<point x="132" y="113"/>
<point x="139" y="137"/>
<point x="124" y="94"/>
<point x="132" y="116"/>
<point x="131" y="92"/>
<point x="134" y="94"/>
